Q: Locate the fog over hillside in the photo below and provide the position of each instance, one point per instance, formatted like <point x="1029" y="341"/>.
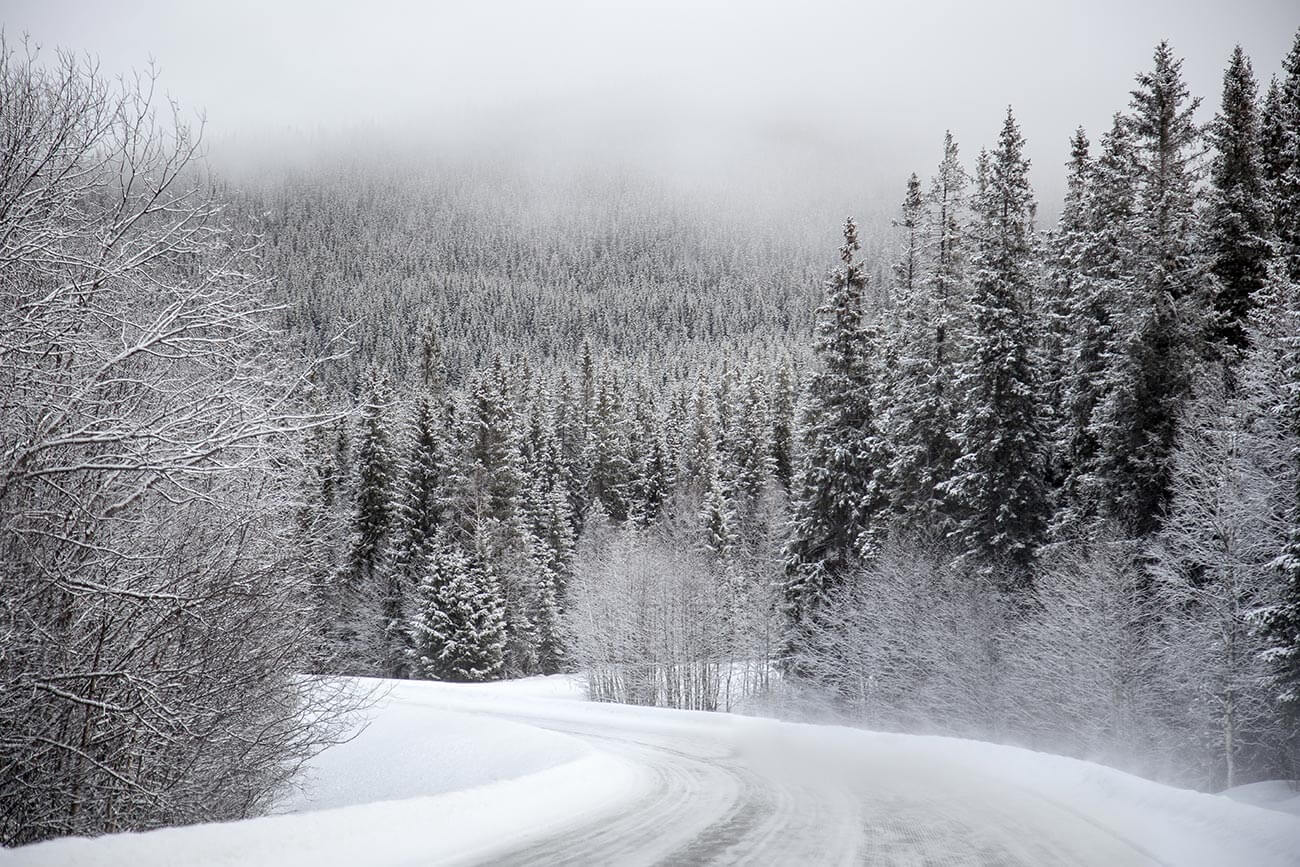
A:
<point x="775" y="102"/>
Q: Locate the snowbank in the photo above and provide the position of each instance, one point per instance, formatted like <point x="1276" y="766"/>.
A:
<point x="453" y="828"/>
<point x="405" y="751"/>
<point x="1279" y="795"/>
<point x="420" y="784"/>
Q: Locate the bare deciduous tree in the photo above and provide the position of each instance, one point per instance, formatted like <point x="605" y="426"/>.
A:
<point x="152" y="605"/>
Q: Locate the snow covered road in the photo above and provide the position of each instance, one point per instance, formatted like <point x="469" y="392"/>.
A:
<point x="525" y="774"/>
<point x="725" y="790"/>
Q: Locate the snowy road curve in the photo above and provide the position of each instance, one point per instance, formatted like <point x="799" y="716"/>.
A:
<point x="726" y="795"/>
<point x="527" y="773"/>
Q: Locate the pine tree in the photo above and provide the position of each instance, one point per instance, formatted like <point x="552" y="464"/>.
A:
<point x="1275" y="365"/>
<point x="998" y="482"/>
<point x="920" y="421"/>
<point x="1066" y="278"/>
<point x="653" y="478"/>
<point x="433" y="369"/>
<point x="839" y="496"/>
<point x="1099" y="260"/>
<point x="488" y="489"/>
<point x="550" y="544"/>
<point x="783" y="415"/>
<point x="750" y="449"/>
<point x="545" y="611"/>
<point x="946" y="207"/>
<point x="702" y="430"/>
<point x="1282" y="161"/>
<point x="1272" y="144"/>
<point x="423" y="504"/>
<point x="458" y="631"/>
<point x="608" y="448"/>
<point x="907" y="271"/>
<point x="1239" y="222"/>
<point x="1148" y="379"/>
<point x="570" y="434"/>
<point x="367" y="581"/>
<point x="417" y="516"/>
<point x="718" y="516"/>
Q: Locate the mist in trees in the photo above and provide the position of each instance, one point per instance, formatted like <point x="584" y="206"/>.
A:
<point x="1027" y="484"/>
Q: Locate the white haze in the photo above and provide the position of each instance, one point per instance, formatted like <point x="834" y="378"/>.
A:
<point x="753" y="101"/>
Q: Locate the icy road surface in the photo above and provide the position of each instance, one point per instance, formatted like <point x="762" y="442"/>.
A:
<point x="527" y="774"/>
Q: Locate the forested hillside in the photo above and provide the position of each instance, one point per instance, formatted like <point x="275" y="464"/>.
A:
<point x="1010" y="481"/>
<point x="495" y="260"/>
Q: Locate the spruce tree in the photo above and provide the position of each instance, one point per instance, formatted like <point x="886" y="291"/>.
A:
<point x="422" y="507"/>
<point x="370" y="589"/>
<point x="1277" y="356"/>
<point x="718" y="516"/>
<point x="1099" y="261"/>
<point x="920" y="413"/>
<point x="1148" y="380"/>
<point x="1272" y="145"/>
<point x="750" y="447"/>
<point x="998" y="482"/>
<point x="488" y="489"/>
<point x="1067" y="275"/>
<point x="373" y="510"/>
<point x="458" y="631"/>
<point x="783" y="416"/>
<point x="417" y="517"/>
<point x="608" y="448"/>
<point x="653" y="479"/>
<point x="1238" y="219"/>
<point x="1283" y="160"/>
<point x="907" y="271"/>
<point x="839" y="495"/>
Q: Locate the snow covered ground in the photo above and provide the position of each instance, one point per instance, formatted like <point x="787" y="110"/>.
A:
<point x="1273" y="794"/>
<point x="527" y="773"/>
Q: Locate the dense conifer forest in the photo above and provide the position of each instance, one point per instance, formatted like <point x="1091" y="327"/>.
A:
<point x="1022" y="482"/>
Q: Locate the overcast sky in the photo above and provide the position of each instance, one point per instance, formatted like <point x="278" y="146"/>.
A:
<point x="757" y="91"/>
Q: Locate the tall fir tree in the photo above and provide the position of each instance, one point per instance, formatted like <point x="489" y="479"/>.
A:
<point x="1277" y="355"/>
<point x="1282" y="144"/>
<point x="998" y="482"/>
<point x="839" y="497"/>
<point x="1272" y="147"/>
<point x="419" y="510"/>
<point x="1239" y="223"/>
<point x="1066" y="277"/>
<point x="750" y="446"/>
<point x="919" y="417"/>
<point x="718" y="515"/>
<point x="608" y="447"/>
<point x="784" y="396"/>
<point x="488" y="487"/>
<point x="372" y="593"/>
<point x="1148" y="379"/>
<point x="1100" y="259"/>
<point x="907" y="270"/>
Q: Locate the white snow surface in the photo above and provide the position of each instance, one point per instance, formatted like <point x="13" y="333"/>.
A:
<point x="522" y="773"/>
<point x="1281" y="795"/>
<point x="405" y="751"/>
